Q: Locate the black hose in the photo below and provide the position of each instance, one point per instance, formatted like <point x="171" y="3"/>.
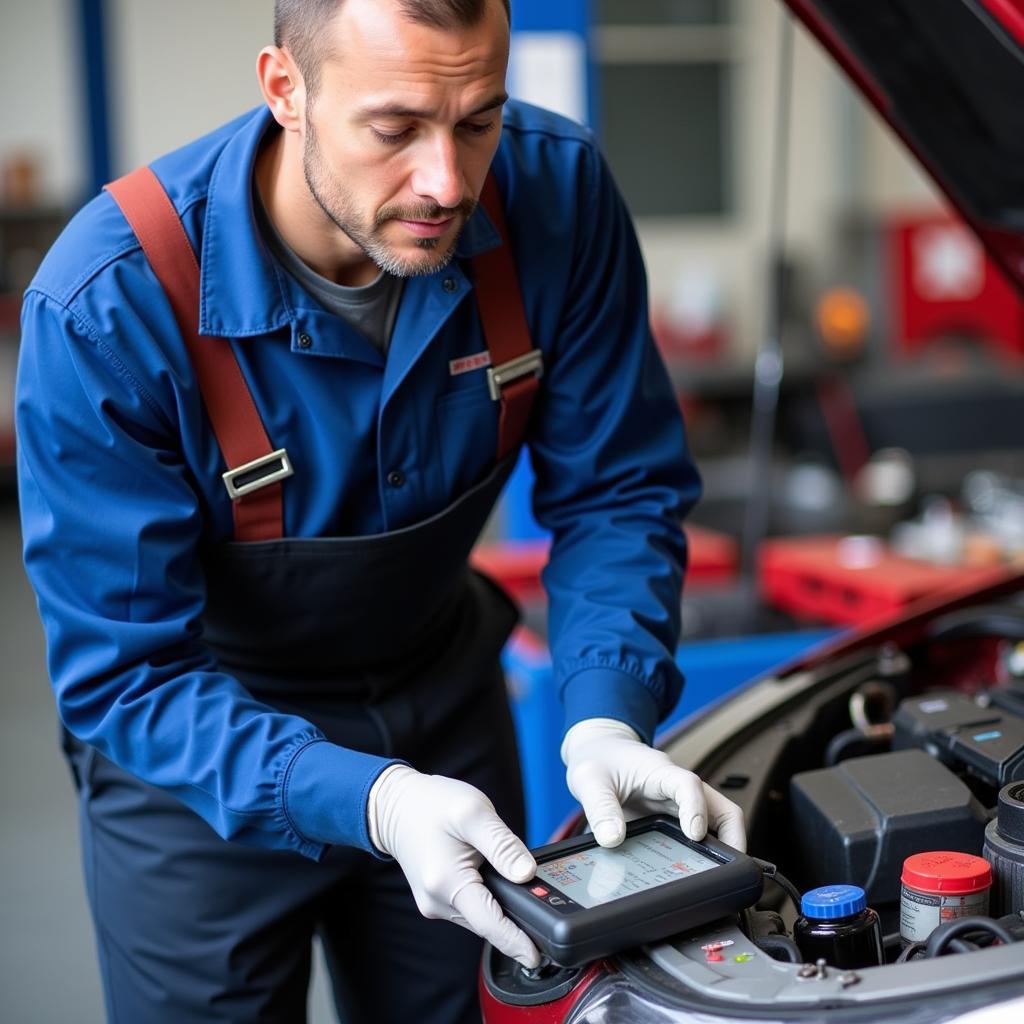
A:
<point x="841" y="743"/>
<point x="773" y="944"/>
<point x="946" y="933"/>
<point x="963" y="946"/>
<point x="1001" y="620"/>
<point x="910" y="952"/>
<point x="772" y="872"/>
<point x="1014" y="924"/>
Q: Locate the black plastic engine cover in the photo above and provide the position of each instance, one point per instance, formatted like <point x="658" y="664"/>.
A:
<point x="986" y="741"/>
<point x="994" y="752"/>
<point x="857" y="822"/>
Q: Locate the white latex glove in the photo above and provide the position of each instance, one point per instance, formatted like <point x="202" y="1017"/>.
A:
<point x="608" y="765"/>
<point x="440" y="830"/>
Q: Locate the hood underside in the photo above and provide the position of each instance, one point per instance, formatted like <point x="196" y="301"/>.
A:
<point x="948" y="76"/>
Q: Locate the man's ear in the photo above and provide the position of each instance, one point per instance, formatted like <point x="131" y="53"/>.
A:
<point x="282" y="86"/>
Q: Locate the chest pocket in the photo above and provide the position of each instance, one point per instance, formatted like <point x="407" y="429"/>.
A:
<point x="466" y="420"/>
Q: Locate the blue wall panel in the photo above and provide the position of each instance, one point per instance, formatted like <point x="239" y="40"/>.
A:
<point x="92" y="24"/>
<point x="713" y="669"/>
<point x="551" y="16"/>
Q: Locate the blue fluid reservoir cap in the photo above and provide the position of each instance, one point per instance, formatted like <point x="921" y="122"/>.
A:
<point x="831" y="901"/>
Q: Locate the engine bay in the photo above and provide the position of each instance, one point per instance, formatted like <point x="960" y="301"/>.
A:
<point x="905" y="751"/>
<point x="895" y="751"/>
<point x="846" y="771"/>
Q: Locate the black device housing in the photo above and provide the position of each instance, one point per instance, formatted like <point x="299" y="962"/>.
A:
<point x="588" y="933"/>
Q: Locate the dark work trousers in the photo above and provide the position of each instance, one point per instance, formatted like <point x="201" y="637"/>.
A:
<point x="191" y="927"/>
<point x="388" y="644"/>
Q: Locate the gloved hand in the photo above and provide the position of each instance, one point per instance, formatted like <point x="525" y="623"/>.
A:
<point x="440" y="830"/>
<point x="608" y="766"/>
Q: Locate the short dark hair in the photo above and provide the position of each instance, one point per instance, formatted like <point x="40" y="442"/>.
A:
<point x="299" y="26"/>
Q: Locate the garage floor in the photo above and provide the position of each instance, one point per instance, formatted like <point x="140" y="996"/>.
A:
<point x="48" y="972"/>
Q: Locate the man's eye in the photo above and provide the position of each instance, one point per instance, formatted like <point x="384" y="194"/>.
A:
<point x="390" y="138"/>
<point x="478" y="129"/>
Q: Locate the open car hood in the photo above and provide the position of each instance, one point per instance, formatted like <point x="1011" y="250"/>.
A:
<point x="827" y="804"/>
<point x="948" y="76"/>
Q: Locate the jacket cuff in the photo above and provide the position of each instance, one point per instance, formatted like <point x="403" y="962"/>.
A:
<point x="325" y="793"/>
<point x="602" y="692"/>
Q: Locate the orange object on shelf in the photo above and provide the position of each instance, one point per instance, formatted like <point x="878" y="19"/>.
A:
<point x="850" y="580"/>
<point x="517" y="565"/>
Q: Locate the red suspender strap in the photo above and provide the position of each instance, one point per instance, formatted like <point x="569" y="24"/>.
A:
<point x="255" y="469"/>
<point x="515" y="365"/>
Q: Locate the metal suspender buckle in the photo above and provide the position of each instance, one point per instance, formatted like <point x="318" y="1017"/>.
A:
<point x="261" y="472"/>
<point x="521" y="366"/>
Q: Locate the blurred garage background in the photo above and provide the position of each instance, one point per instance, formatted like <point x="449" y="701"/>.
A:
<point x="847" y="357"/>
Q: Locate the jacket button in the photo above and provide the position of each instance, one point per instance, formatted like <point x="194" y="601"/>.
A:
<point x="396" y="478"/>
<point x="449" y="284"/>
<point x="305" y="341"/>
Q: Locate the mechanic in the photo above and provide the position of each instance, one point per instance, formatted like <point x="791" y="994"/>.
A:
<point x="281" y="689"/>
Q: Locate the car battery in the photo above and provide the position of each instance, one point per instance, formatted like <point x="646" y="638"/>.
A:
<point x="858" y="821"/>
<point x="986" y="741"/>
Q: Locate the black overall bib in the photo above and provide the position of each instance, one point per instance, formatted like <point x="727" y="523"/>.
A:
<point x="390" y="645"/>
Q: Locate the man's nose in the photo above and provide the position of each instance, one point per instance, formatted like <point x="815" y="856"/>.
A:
<point x="438" y="175"/>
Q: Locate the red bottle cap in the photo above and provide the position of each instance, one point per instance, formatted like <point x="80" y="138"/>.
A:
<point x="943" y="871"/>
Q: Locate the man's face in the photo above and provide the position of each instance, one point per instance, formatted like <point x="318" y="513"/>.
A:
<point x="401" y="132"/>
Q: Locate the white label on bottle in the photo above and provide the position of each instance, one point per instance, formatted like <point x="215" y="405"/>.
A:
<point x="921" y="913"/>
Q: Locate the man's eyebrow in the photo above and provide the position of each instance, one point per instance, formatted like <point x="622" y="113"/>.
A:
<point x="492" y="104"/>
<point x="398" y="110"/>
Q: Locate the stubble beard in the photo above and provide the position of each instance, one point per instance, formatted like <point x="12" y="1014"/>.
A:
<point x="339" y="206"/>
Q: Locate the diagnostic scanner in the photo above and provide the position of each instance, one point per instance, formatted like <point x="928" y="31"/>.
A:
<point x="587" y="902"/>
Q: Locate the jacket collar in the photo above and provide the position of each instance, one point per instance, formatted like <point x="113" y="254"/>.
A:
<point x="242" y="291"/>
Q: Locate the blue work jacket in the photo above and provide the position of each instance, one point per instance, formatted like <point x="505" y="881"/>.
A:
<point x="120" y="473"/>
